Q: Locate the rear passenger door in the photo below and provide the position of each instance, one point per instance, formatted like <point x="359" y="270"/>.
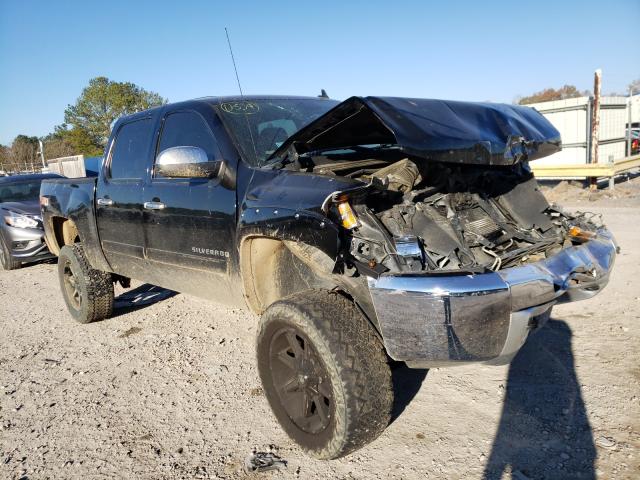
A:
<point x="189" y="223"/>
<point x="119" y="197"/>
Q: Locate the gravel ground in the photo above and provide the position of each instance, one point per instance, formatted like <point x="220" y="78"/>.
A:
<point x="168" y="389"/>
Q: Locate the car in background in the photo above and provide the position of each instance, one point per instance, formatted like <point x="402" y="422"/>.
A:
<point x="633" y="139"/>
<point x="21" y="230"/>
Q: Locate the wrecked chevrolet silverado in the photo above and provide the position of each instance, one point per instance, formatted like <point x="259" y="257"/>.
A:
<point x="366" y="232"/>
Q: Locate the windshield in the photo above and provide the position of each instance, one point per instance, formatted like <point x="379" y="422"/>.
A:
<point x="20" y="192"/>
<point x="260" y="126"/>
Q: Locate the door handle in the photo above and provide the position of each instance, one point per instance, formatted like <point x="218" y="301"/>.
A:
<point x="154" y="205"/>
<point x="105" y="202"/>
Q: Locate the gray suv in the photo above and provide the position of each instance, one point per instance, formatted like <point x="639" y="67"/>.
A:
<point x="21" y="231"/>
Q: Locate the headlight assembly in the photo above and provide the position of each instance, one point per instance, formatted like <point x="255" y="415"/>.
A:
<point x="17" y="220"/>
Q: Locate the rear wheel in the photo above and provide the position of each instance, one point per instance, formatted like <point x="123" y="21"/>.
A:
<point x="87" y="292"/>
<point x="325" y="373"/>
<point x="6" y="260"/>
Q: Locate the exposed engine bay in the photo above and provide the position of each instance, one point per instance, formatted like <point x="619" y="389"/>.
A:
<point x="418" y="215"/>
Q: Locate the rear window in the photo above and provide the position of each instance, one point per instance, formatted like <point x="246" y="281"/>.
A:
<point x="130" y="152"/>
<point x="20" y="192"/>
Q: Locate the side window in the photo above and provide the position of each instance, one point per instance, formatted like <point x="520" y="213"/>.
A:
<point x="188" y="129"/>
<point x="129" y="152"/>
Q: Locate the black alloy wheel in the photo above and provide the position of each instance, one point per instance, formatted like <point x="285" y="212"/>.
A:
<point x="71" y="286"/>
<point x="301" y="380"/>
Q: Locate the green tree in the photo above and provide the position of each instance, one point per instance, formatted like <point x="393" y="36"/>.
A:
<point x="58" y="145"/>
<point x="548" y="94"/>
<point x="100" y="104"/>
<point x="5" y="157"/>
<point x="24" y="152"/>
<point x="71" y="141"/>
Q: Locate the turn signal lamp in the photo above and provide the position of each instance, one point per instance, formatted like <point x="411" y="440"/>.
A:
<point x="347" y="215"/>
<point x="580" y="234"/>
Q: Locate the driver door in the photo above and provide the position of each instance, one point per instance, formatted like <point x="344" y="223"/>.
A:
<point x="189" y="222"/>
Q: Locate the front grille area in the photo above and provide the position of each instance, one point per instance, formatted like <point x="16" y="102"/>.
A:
<point x="478" y="222"/>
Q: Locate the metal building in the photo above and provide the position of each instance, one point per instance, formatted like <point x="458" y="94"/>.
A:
<point x="573" y="116"/>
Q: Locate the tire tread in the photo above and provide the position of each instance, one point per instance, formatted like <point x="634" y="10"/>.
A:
<point x="99" y="287"/>
<point x="9" y="262"/>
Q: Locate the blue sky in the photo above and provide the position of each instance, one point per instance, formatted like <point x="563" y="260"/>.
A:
<point x="464" y="50"/>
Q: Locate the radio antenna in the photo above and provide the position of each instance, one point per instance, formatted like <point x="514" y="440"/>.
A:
<point x="253" y="142"/>
<point x="234" y="61"/>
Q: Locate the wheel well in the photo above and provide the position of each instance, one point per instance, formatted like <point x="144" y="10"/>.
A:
<point x="271" y="271"/>
<point x="65" y="232"/>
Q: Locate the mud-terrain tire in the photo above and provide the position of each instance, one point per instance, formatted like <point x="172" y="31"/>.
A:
<point x="87" y="292"/>
<point x="324" y="372"/>
<point x="7" y="262"/>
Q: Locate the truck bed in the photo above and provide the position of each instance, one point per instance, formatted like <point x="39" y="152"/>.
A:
<point x="73" y="199"/>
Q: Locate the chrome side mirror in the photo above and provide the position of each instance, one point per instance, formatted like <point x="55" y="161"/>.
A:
<point x="186" y="162"/>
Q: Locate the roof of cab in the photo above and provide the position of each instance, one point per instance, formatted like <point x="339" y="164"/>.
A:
<point x="27" y="177"/>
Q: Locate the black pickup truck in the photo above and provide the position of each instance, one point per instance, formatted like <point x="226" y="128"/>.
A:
<point x="366" y="232"/>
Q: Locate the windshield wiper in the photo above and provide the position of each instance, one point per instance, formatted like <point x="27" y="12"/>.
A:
<point x="353" y="148"/>
<point x="276" y="162"/>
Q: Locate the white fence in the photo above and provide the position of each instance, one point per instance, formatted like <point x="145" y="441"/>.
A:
<point x="72" y="167"/>
<point x="572" y="117"/>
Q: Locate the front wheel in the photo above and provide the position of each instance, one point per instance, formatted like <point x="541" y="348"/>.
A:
<point x="325" y="373"/>
<point x="7" y="262"/>
<point x="87" y="292"/>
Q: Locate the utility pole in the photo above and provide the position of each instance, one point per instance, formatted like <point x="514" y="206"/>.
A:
<point x="595" y="125"/>
<point x="629" y="122"/>
<point x="41" y="152"/>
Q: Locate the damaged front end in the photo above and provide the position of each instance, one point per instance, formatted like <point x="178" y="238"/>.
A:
<point x="449" y="218"/>
<point x="462" y="254"/>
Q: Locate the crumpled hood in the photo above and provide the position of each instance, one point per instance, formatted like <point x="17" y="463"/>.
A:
<point x="23" y="208"/>
<point x="439" y="130"/>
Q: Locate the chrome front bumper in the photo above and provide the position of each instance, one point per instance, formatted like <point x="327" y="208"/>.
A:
<point x="436" y="320"/>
